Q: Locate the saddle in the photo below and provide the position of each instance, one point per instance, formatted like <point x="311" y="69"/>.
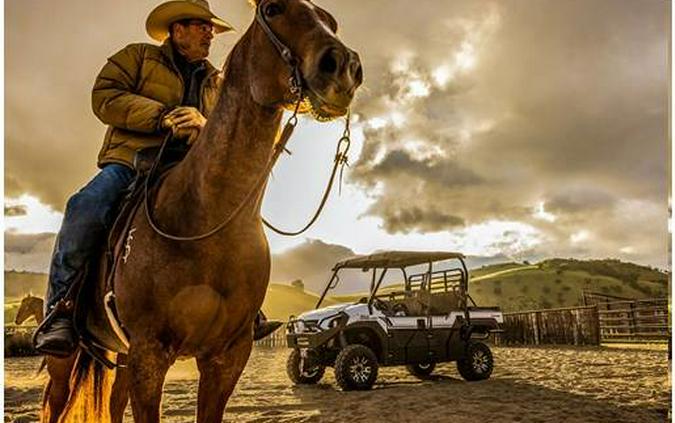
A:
<point x="92" y="297"/>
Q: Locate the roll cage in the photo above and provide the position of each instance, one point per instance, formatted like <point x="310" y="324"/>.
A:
<point x="448" y="282"/>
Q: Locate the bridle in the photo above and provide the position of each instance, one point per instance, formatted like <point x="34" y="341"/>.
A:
<point x="296" y="90"/>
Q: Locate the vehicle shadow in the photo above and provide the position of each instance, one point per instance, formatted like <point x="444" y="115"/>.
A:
<point x="442" y="398"/>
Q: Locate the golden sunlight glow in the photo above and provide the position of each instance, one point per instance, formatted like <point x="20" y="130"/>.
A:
<point x="421" y="150"/>
<point x="582" y="235"/>
<point x="466" y="57"/>
<point x="541" y="213"/>
<point x="418" y="88"/>
<point x="627" y="250"/>
<point x="442" y="75"/>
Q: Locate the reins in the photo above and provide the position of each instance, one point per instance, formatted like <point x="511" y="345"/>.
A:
<point x="295" y="86"/>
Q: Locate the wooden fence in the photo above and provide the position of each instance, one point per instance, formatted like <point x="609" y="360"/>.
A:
<point x="18" y="340"/>
<point x="275" y="340"/>
<point x="645" y="319"/>
<point x="628" y="320"/>
<point x="570" y="325"/>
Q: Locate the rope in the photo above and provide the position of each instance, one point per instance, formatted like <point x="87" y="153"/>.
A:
<point x="340" y="161"/>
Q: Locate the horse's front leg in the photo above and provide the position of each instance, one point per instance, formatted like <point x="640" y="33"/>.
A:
<point x="147" y="367"/>
<point x="218" y="375"/>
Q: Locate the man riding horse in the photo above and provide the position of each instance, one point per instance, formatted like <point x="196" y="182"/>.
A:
<point x="142" y="92"/>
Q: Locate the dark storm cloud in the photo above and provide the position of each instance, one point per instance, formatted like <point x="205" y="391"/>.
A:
<point x="580" y="200"/>
<point x="411" y="218"/>
<point x="397" y="162"/>
<point x="13" y="211"/>
<point x="29" y="252"/>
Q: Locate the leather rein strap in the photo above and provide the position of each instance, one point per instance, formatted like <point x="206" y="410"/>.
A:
<point x="295" y="86"/>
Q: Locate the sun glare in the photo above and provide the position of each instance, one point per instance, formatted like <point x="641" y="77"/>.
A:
<point x="541" y="213"/>
<point x="418" y="88"/>
<point x="580" y="236"/>
<point x="466" y="57"/>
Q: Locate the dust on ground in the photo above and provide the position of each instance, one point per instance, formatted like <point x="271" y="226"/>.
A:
<point x="529" y="384"/>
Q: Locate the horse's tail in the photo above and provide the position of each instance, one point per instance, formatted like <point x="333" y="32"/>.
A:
<point x="90" y="389"/>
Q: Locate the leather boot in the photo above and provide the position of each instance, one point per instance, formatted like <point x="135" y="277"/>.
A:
<point x="57" y="337"/>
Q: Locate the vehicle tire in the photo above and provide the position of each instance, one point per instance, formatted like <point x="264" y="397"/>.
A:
<point x="421" y="370"/>
<point x="356" y="368"/>
<point x="477" y="364"/>
<point x="309" y="375"/>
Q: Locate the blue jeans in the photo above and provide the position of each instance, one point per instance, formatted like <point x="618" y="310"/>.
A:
<point x="88" y="217"/>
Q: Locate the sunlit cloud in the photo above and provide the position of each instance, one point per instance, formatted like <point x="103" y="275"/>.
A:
<point x="418" y="88"/>
<point x="541" y="213"/>
<point x="498" y="237"/>
<point x="38" y="217"/>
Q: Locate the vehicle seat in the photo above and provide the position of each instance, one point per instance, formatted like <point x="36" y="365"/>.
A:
<point x="444" y="302"/>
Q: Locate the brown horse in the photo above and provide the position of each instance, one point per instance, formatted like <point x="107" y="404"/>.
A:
<point x="30" y="307"/>
<point x="199" y="298"/>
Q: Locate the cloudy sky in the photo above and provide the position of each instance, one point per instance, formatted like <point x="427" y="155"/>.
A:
<point x="520" y="128"/>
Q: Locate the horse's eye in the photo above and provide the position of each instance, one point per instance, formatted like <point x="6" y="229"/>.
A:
<point x="273" y="9"/>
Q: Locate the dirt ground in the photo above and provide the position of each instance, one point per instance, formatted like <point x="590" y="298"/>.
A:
<point x="545" y="384"/>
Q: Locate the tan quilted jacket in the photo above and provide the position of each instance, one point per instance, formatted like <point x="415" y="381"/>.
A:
<point x="132" y="91"/>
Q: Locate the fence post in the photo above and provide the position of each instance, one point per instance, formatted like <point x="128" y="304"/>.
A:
<point x="595" y="316"/>
<point x="631" y="315"/>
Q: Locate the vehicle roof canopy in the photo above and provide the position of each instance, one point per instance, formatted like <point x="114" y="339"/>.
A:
<point x="396" y="259"/>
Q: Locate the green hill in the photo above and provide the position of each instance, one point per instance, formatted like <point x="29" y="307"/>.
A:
<point x="560" y="283"/>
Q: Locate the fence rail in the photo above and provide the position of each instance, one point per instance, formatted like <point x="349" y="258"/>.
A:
<point x="629" y="320"/>
<point x="645" y="319"/>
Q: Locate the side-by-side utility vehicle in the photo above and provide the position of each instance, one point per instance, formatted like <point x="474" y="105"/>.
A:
<point x="422" y="320"/>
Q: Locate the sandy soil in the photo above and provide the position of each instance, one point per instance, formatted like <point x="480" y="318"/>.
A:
<point x="544" y="384"/>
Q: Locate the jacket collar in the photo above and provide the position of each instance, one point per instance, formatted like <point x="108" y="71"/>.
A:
<point x="167" y="50"/>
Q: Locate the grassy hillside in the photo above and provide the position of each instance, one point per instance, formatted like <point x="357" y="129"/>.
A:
<point x="18" y="284"/>
<point x="560" y="282"/>
<point x="282" y="301"/>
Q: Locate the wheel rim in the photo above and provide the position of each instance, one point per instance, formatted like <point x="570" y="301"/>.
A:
<point x="481" y="362"/>
<point x="310" y="372"/>
<point x="424" y="366"/>
<point x="360" y="370"/>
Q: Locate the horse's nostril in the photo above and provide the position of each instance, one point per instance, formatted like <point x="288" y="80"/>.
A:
<point x="329" y="62"/>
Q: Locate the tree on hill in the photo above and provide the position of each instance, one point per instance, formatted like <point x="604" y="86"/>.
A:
<point x="298" y="284"/>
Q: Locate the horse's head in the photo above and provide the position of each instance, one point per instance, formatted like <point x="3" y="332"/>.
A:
<point x="30" y="306"/>
<point x="300" y="34"/>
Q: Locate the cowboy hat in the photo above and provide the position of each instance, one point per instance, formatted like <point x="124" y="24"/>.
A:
<point x="165" y="14"/>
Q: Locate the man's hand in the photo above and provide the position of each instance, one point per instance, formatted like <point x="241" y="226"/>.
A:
<point x="184" y="122"/>
<point x="186" y="117"/>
